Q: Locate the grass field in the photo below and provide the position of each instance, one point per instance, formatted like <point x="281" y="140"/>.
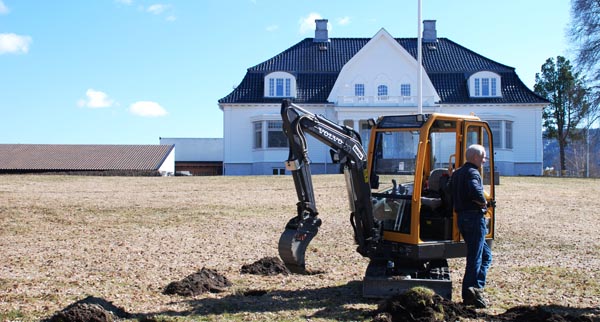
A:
<point x="123" y="239"/>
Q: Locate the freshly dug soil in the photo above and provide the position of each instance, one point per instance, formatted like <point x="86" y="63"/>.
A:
<point x="90" y="309"/>
<point x="539" y="314"/>
<point x="422" y="305"/>
<point x="205" y="280"/>
<point x="266" y="266"/>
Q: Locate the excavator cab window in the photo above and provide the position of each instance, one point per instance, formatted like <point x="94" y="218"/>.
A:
<point x="394" y="166"/>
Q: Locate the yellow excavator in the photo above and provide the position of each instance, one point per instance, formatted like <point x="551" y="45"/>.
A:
<point x="399" y="192"/>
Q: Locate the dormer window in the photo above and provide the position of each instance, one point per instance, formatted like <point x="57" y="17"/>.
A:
<point x="280" y="84"/>
<point x="485" y="84"/>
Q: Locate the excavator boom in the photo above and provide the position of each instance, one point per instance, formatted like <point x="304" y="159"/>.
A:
<point x="346" y="145"/>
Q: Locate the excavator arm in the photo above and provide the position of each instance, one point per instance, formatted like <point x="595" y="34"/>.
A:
<point x="347" y="148"/>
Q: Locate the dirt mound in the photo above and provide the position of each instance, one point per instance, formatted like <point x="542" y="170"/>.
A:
<point x="89" y="309"/>
<point x="422" y="305"/>
<point x="266" y="266"/>
<point x="205" y="280"/>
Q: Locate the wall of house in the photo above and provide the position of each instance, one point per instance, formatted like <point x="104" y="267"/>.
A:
<point x="168" y="166"/>
<point x="526" y="156"/>
<point x="196" y="149"/>
<point x="241" y="158"/>
<point x="381" y="62"/>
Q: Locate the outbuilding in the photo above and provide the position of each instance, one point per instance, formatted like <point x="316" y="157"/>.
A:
<point x="134" y="160"/>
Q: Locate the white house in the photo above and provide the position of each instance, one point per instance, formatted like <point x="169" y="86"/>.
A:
<point x="351" y="80"/>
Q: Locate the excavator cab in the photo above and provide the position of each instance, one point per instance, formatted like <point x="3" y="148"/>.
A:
<point x="413" y="157"/>
<point x="411" y="161"/>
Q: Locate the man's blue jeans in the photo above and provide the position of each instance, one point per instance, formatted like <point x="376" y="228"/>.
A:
<point x="479" y="255"/>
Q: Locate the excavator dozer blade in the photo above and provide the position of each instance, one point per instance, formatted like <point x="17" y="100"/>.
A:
<point x="292" y="246"/>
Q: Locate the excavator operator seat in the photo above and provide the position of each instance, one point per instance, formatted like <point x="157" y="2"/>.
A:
<point x="435" y="179"/>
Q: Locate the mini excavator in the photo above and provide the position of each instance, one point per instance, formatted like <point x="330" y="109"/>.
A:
<point x="407" y="228"/>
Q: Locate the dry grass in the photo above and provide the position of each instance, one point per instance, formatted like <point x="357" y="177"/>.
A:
<point x="125" y="238"/>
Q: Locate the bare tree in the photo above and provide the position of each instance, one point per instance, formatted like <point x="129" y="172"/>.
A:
<point x="585" y="35"/>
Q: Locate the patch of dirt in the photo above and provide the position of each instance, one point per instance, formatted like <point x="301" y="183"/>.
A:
<point x="205" y="280"/>
<point x="539" y="314"/>
<point x="266" y="266"/>
<point x="422" y="305"/>
<point x="89" y="309"/>
<point x="254" y="293"/>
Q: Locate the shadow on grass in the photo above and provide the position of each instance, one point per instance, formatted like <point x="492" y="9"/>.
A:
<point x="330" y="303"/>
<point x="551" y="312"/>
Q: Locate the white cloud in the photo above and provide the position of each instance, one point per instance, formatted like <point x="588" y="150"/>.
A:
<point x="343" y="21"/>
<point x="307" y="24"/>
<point x="95" y="99"/>
<point x="125" y="2"/>
<point x="157" y="9"/>
<point x="147" y="109"/>
<point x="3" y="9"/>
<point x="171" y="18"/>
<point x="13" y="43"/>
<point x="272" y="28"/>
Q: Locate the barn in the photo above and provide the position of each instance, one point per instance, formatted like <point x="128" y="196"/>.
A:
<point x="134" y="160"/>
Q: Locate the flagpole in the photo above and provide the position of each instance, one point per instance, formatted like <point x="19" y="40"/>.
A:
<point x="420" y="61"/>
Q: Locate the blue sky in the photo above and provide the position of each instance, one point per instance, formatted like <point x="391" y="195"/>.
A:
<point x="131" y="71"/>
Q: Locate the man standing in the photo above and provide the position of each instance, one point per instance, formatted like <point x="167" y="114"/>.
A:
<point x="470" y="205"/>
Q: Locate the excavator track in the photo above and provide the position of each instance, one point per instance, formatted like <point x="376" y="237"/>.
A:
<point x="381" y="282"/>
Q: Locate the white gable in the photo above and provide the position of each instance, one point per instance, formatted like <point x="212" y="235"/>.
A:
<point x="382" y="61"/>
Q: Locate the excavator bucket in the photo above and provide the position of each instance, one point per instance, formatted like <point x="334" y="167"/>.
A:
<point x="294" y="241"/>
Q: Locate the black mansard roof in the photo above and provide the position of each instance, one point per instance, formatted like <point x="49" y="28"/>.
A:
<point x="447" y="64"/>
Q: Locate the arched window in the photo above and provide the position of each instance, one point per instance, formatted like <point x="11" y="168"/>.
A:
<point x="382" y="92"/>
<point x="280" y="84"/>
<point x="485" y="84"/>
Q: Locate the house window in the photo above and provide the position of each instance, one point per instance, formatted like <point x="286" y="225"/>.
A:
<point x="382" y="92"/>
<point x="272" y="87"/>
<point x="279" y="87"/>
<point x="508" y="134"/>
<point x="275" y="136"/>
<point x="280" y="84"/>
<point x="496" y="127"/>
<point x="503" y="133"/>
<point x="405" y="89"/>
<point x="485" y="84"/>
<point x="485" y="87"/>
<point x="359" y="89"/>
<point x="365" y="133"/>
<point x="278" y="171"/>
<point x="258" y="135"/>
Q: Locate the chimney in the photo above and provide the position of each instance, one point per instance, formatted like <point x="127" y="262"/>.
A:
<point x="429" y="32"/>
<point x="321" y="31"/>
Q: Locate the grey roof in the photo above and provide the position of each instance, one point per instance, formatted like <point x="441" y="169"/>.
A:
<point x="447" y="64"/>
<point x="65" y="157"/>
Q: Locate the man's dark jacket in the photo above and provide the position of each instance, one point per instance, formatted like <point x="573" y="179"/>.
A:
<point x="467" y="189"/>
